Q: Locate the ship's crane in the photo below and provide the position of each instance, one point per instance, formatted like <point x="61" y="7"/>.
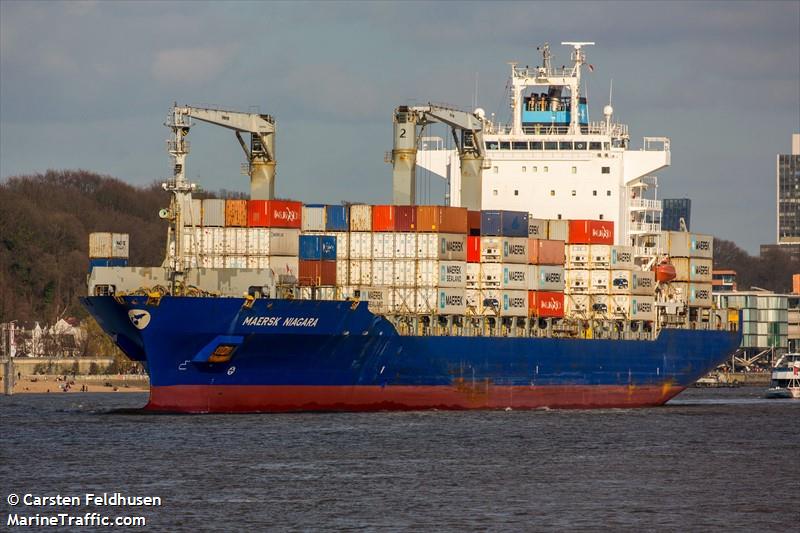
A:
<point x="467" y="130"/>
<point x="261" y="150"/>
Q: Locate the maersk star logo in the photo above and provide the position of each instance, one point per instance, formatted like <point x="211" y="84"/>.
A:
<point x="139" y="318"/>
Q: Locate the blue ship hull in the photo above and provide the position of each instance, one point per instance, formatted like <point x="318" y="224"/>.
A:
<point x="216" y="355"/>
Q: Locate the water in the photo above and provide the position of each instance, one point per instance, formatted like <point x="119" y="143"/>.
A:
<point x="710" y="460"/>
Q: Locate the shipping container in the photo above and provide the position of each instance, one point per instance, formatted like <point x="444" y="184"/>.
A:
<point x="548" y="278"/>
<point x="684" y="244"/>
<point x="100" y="245"/>
<point x="383" y="245"/>
<point x="282" y="266"/>
<point x="383" y="272"/>
<point x="504" y="276"/>
<point x="796" y="283"/>
<point x="472" y="275"/>
<point x="383" y="218"/>
<point x="451" y="301"/>
<point x="207" y="241"/>
<point x="403" y="299"/>
<point x="218" y="244"/>
<point x="360" y="245"/>
<point x="546" y="252"/>
<point x="473" y="299"/>
<point x="577" y="255"/>
<point x="600" y="305"/>
<point x="236" y="213"/>
<point x="316" y="273"/>
<point x="317" y="248"/>
<point x="433" y="273"/>
<point x="474" y="223"/>
<point x="360" y="217"/>
<point x="473" y="249"/>
<point x="378" y="299"/>
<point x="500" y="223"/>
<point x="405" y="245"/>
<point x="274" y="214"/>
<point x="504" y="249"/>
<point x="599" y="281"/>
<point x="545" y="304"/>
<point x="405" y="272"/>
<point x="218" y="261"/>
<point x="342" y="272"/>
<point x="236" y="241"/>
<point x="342" y="243"/>
<point x="644" y="282"/>
<point x="236" y="261"/>
<point x="620" y="304"/>
<point x="591" y="232"/>
<point x="577" y="305"/>
<point x="192" y="211"/>
<point x="405" y="218"/>
<point x="313" y="217"/>
<point x="599" y="256"/>
<point x="192" y="241"/>
<point x="700" y="270"/>
<point x="120" y="245"/>
<point x="441" y="219"/>
<point x="577" y="280"/>
<point x="622" y="257"/>
<point x="443" y="246"/>
<point x="214" y="212"/>
<point x="360" y="272"/>
<point x="425" y="300"/>
<point x="694" y="294"/>
<point x="537" y="228"/>
<point x="337" y="218"/>
<point x="514" y="303"/>
<point x="643" y="308"/>
<point x="621" y="281"/>
<point x="558" y="230"/>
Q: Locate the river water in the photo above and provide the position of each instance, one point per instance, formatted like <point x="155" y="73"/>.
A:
<point x="710" y="460"/>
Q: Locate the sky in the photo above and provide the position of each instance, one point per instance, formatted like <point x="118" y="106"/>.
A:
<point x="89" y="84"/>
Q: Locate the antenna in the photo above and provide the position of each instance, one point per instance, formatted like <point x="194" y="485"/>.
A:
<point x="610" y="90"/>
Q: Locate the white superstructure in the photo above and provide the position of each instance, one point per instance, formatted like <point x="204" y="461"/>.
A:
<point x="557" y="164"/>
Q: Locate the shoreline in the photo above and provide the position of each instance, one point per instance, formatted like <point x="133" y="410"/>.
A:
<point x="56" y="384"/>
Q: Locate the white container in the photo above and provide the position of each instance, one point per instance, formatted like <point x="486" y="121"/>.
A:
<point x="504" y="276"/>
<point x="360" y="272"/>
<point x="537" y="228"/>
<point x="558" y="230"/>
<point x="218" y="246"/>
<point x="214" y="212"/>
<point x="451" y="301"/>
<point x="405" y="245"/>
<point x="342" y="272"/>
<point x="120" y="245"/>
<point x="403" y="300"/>
<point x="600" y="255"/>
<point x="382" y="272"/>
<point x="100" y="245"/>
<point x="342" y="243"/>
<point x="192" y="241"/>
<point x="695" y="294"/>
<point x="378" y="299"/>
<point x="283" y="265"/>
<point x="192" y="212"/>
<point x="473" y="299"/>
<point x="681" y="265"/>
<point x="577" y="255"/>
<point x="599" y="281"/>
<point x="229" y="241"/>
<point x="644" y="282"/>
<point x="577" y="305"/>
<point x="235" y="261"/>
<point x="313" y="218"/>
<point x="425" y="300"/>
<point x="700" y="270"/>
<point x="684" y="244"/>
<point x="451" y="247"/>
<point x="426" y="245"/>
<point x="360" y="245"/>
<point x="504" y="250"/>
<point x="360" y="217"/>
<point x="207" y="241"/>
<point x="621" y="282"/>
<point x="514" y="303"/>
<point x="622" y="258"/>
<point x="383" y="245"/>
<point x="473" y="275"/>
<point x="546" y="278"/>
<point x="578" y="280"/>
<point x="450" y="274"/>
<point x="216" y="261"/>
<point x="600" y="305"/>
<point x="620" y="305"/>
<point x="405" y="273"/>
<point x="643" y="308"/>
<point x="701" y="246"/>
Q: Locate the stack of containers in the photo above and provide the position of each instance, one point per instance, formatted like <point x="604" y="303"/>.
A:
<point x="546" y="281"/>
<point x="503" y="281"/>
<point x="317" y="264"/>
<point x="337" y="226"/>
<point x="108" y="250"/>
<point x="631" y="290"/>
<point x="587" y="285"/>
<point x="441" y="253"/>
<point x="272" y="236"/>
<point x="211" y="238"/>
<point x="360" y="246"/>
<point x="394" y="244"/>
<point x="692" y="256"/>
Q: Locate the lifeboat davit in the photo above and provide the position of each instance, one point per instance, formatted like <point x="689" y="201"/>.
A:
<point x="665" y="272"/>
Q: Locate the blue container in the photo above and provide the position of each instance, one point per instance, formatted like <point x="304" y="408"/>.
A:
<point x="317" y="247"/>
<point x="504" y="223"/>
<point x="336" y="217"/>
<point x="327" y="245"/>
<point x="107" y="262"/>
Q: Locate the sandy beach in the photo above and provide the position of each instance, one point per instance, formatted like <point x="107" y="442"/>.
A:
<point x="57" y="385"/>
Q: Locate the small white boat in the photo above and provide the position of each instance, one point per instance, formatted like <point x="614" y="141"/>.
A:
<point x="785" y="380"/>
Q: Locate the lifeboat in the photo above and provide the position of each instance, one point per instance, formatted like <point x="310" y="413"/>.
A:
<point x="665" y="272"/>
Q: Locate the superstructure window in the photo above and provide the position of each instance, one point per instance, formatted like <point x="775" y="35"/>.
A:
<point x="580" y="145"/>
<point x="559" y="216"/>
<point x="606" y="146"/>
<point x="516" y="192"/>
<point x="595" y="146"/>
<point x="536" y="145"/>
<point x="574" y="170"/>
<point x="552" y="192"/>
<point x="574" y="192"/>
<point x="608" y="193"/>
<point x="519" y="145"/>
<point x="551" y="145"/>
<point x="494" y="192"/>
<point x="565" y="145"/>
<point x="505" y="145"/>
<point x="536" y="169"/>
<point x="545" y="169"/>
<point x="594" y="193"/>
<point x="524" y="169"/>
<point x="601" y="217"/>
<point x="494" y="169"/>
<point x="492" y="145"/>
<point x="605" y="170"/>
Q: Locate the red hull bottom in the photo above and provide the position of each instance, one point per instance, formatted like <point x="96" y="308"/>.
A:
<point x="266" y="398"/>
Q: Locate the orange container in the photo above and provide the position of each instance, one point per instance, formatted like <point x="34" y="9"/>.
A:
<point x="796" y="283"/>
<point x="545" y="252"/>
<point x="546" y="304"/>
<point x="383" y="218"/>
<point x="274" y="214"/>
<point x="236" y="213"/>
<point x="316" y="273"/>
<point x="591" y="232"/>
<point x="441" y="219"/>
<point x="474" y="222"/>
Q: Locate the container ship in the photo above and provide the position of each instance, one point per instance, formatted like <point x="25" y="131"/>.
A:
<point x="544" y="279"/>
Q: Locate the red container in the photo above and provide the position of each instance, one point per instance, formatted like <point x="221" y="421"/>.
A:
<point x="274" y="214"/>
<point x="405" y="217"/>
<point x="473" y="249"/>
<point x="546" y="252"/>
<point x="545" y="304"/>
<point x="383" y="217"/>
<point x="316" y="273"/>
<point x="473" y="222"/>
<point x="441" y="219"/>
<point x="591" y="232"/>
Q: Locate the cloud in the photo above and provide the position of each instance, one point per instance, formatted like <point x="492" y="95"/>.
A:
<point x="192" y="65"/>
